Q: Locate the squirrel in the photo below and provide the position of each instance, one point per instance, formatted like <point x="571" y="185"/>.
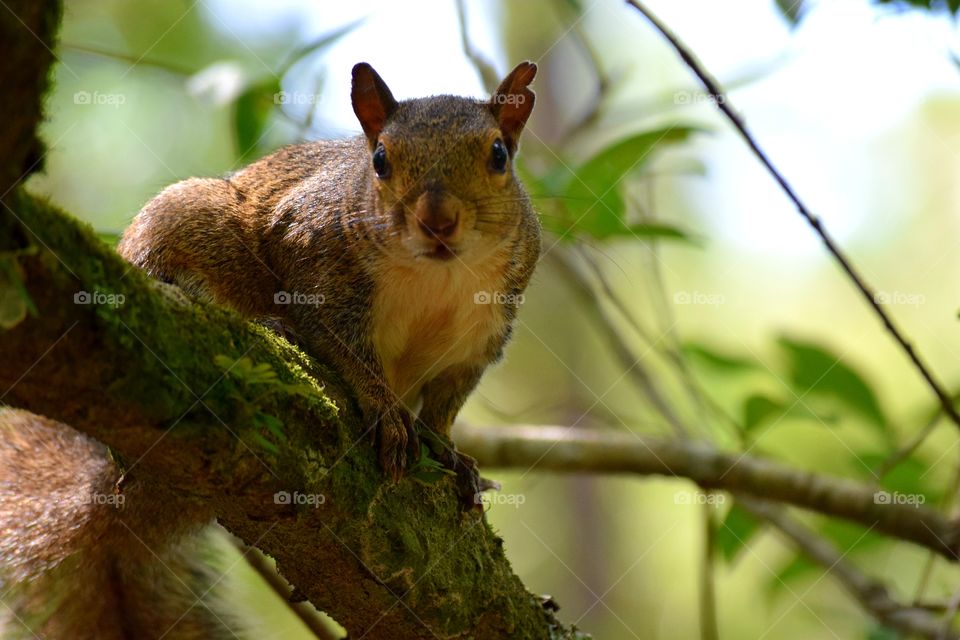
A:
<point x="398" y="256"/>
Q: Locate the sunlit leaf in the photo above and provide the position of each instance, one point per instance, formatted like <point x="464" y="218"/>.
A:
<point x="760" y="408"/>
<point x="651" y="230"/>
<point x="589" y="199"/>
<point x="719" y="360"/>
<point x="816" y="371"/>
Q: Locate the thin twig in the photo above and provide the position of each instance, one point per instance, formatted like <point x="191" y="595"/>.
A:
<point x="708" y="595"/>
<point x="870" y="593"/>
<point x="723" y="103"/>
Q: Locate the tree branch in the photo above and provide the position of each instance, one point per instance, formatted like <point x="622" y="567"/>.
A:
<point x="723" y="103"/>
<point x="566" y="449"/>
<point x="131" y="363"/>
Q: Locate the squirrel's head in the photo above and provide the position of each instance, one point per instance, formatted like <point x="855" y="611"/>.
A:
<point x="442" y="167"/>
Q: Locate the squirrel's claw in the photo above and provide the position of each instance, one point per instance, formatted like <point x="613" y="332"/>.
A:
<point x="396" y="436"/>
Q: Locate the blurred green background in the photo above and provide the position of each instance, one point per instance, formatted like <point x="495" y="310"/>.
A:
<point x="691" y="243"/>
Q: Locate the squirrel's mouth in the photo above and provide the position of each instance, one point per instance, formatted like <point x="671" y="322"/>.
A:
<point x="441" y="252"/>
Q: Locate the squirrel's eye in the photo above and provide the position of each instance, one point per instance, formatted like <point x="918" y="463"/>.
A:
<point x="498" y="156"/>
<point x="380" y="164"/>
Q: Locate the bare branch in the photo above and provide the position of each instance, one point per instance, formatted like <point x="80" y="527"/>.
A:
<point x="567" y="449"/>
<point x="723" y="103"/>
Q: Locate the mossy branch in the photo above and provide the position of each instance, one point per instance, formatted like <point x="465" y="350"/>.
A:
<point x="156" y="377"/>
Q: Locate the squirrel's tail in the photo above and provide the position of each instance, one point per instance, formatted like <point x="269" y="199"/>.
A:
<point x="82" y="556"/>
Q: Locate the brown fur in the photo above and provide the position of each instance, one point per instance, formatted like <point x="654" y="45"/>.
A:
<point x="82" y="558"/>
<point x="398" y="314"/>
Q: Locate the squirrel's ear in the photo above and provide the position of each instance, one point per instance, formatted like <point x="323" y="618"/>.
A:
<point x="372" y="101"/>
<point x="512" y="102"/>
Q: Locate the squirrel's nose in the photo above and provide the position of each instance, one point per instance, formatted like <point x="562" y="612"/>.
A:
<point x="440" y="227"/>
<point x="436" y="217"/>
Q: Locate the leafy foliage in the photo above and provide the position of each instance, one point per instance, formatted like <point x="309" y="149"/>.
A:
<point x="816" y="371"/>
<point x="590" y="201"/>
<point x="249" y="384"/>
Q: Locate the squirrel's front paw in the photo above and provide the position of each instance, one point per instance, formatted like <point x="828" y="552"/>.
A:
<point x="396" y="437"/>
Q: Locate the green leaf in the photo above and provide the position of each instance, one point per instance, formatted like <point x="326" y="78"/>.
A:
<point x="735" y="532"/>
<point x="758" y="408"/>
<point x="591" y="198"/>
<point x="271" y="423"/>
<point x="263" y="442"/>
<point x="818" y="372"/>
<point x="251" y="110"/>
<point x="718" y="360"/>
<point x="427" y="470"/>
<point x="661" y="231"/>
